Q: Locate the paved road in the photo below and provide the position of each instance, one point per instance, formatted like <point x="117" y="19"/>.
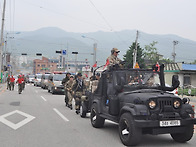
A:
<point x="37" y="118"/>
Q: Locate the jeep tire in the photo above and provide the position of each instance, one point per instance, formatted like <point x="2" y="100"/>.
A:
<point x="96" y="120"/>
<point x="128" y="132"/>
<point x="185" y="136"/>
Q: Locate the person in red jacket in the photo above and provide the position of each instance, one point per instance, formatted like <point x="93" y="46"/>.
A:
<point x="20" y="81"/>
<point x="12" y="80"/>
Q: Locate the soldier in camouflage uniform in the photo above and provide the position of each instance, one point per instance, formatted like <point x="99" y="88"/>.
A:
<point x="68" y="86"/>
<point x="78" y="88"/>
<point x="113" y="59"/>
<point x="64" y="81"/>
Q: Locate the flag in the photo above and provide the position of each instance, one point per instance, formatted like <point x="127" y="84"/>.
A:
<point x="95" y="65"/>
<point x="107" y="63"/>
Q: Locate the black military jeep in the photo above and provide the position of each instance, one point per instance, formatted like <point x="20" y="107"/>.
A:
<point x="140" y="103"/>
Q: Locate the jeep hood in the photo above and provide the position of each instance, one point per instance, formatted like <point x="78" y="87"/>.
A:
<point x="143" y="95"/>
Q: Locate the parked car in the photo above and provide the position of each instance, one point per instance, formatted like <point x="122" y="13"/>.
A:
<point x="44" y="80"/>
<point x="55" y="83"/>
<point x="137" y="99"/>
<point x="37" y="80"/>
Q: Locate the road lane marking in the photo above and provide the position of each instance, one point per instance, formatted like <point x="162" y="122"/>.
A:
<point x="43" y="98"/>
<point x="60" y="114"/>
<point x="19" y="124"/>
<point x="36" y="91"/>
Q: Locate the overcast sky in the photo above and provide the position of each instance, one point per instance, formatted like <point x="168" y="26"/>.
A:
<point x="150" y="16"/>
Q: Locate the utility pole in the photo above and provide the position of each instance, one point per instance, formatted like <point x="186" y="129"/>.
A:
<point x="95" y="53"/>
<point x="67" y="59"/>
<point x="1" y="43"/>
<point x="175" y="42"/>
<point x="135" y="50"/>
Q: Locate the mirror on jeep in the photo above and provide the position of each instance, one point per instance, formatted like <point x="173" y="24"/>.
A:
<point x="175" y="81"/>
<point x="175" y="84"/>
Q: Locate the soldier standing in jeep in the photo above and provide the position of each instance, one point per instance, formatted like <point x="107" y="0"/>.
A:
<point x="113" y="59"/>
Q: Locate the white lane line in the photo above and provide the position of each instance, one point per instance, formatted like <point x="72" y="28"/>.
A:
<point x="60" y="114"/>
<point x="43" y="98"/>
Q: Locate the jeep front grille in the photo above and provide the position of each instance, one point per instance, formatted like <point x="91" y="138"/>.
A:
<point x="163" y="103"/>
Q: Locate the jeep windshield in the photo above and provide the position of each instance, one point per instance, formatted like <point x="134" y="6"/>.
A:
<point x="139" y="79"/>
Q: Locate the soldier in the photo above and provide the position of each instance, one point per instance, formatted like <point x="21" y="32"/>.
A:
<point x="113" y="59"/>
<point x="69" y="90"/>
<point x="12" y="80"/>
<point x="64" y="81"/>
<point x="20" y="81"/>
<point x="24" y="81"/>
<point x="8" y="82"/>
<point x="78" y="89"/>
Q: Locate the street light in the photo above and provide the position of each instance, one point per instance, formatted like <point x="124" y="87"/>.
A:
<point x="94" y="48"/>
<point x="76" y="67"/>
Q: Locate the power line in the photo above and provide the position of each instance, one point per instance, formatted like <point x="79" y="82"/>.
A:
<point x="111" y="28"/>
<point x="66" y="15"/>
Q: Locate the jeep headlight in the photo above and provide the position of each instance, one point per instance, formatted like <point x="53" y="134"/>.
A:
<point x="55" y="88"/>
<point x="152" y="104"/>
<point x="176" y="104"/>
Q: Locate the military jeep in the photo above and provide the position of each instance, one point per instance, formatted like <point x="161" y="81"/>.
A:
<point x="139" y="101"/>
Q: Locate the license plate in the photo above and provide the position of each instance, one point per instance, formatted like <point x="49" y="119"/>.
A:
<point x="169" y="123"/>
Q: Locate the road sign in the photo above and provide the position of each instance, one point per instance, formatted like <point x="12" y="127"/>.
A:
<point x="64" y="52"/>
<point x="136" y="65"/>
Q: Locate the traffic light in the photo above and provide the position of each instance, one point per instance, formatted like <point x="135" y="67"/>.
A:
<point x="5" y="68"/>
<point x="74" y="52"/>
<point x="38" y="54"/>
<point x="58" y="52"/>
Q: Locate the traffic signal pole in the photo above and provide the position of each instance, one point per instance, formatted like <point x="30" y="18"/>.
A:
<point x="1" y="42"/>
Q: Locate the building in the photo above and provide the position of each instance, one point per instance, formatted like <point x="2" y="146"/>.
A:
<point x="185" y="72"/>
<point x="44" y="65"/>
<point x="50" y="65"/>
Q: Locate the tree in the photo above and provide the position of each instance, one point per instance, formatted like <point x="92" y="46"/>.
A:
<point x="151" y="53"/>
<point x="128" y="57"/>
<point x="166" y="61"/>
<point x="194" y="62"/>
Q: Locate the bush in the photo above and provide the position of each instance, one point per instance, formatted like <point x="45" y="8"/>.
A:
<point x="185" y="91"/>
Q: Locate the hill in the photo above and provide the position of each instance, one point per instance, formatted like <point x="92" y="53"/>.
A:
<point x="48" y="40"/>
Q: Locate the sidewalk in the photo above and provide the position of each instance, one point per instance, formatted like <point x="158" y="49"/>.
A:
<point x="2" y="86"/>
<point x="188" y="96"/>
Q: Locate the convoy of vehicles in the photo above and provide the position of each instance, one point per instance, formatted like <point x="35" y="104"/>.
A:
<point x="138" y="100"/>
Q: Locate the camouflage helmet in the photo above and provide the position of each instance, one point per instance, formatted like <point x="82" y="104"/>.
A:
<point x="114" y="50"/>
